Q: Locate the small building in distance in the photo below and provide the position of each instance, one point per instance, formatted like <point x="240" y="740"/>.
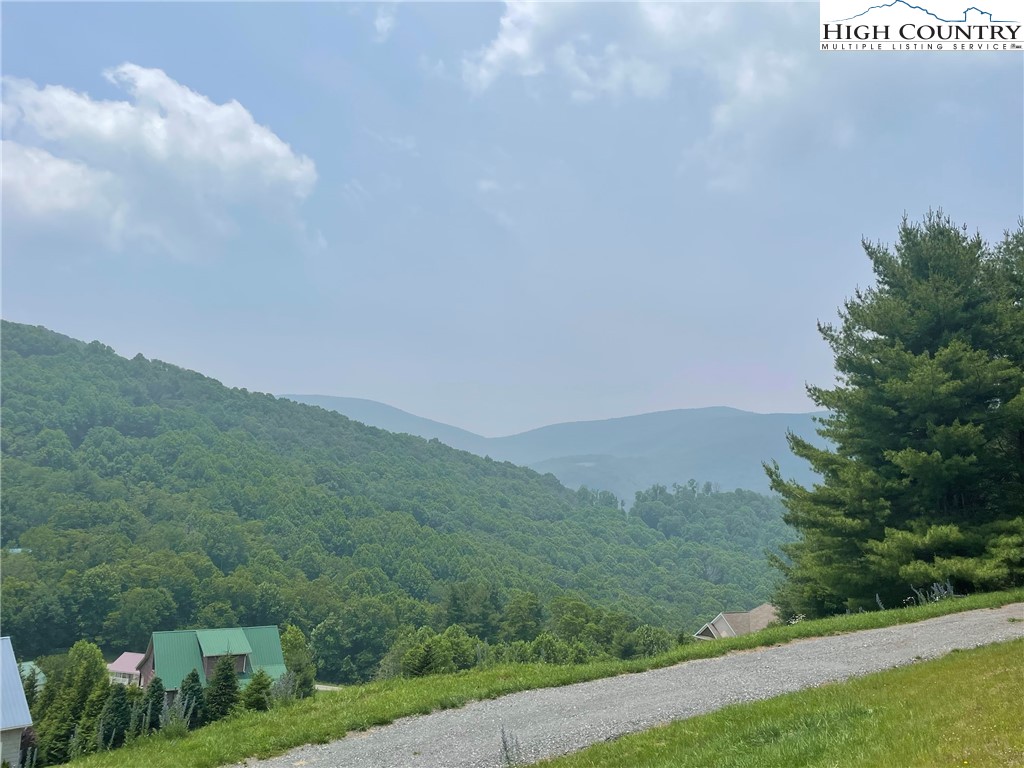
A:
<point x="125" y="668"/>
<point x="14" y="714"/>
<point x="27" y="668"/>
<point x="734" y="624"/>
<point x="172" y="655"/>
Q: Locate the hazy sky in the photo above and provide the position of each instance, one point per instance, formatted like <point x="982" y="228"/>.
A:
<point x="494" y="215"/>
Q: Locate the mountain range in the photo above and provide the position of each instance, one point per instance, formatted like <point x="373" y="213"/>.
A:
<point x="721" y="445"/>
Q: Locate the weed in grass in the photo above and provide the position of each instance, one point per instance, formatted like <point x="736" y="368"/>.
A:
<point x="511" y="752"/>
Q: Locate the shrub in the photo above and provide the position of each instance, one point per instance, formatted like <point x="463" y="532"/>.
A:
<point x="256" y="695"/>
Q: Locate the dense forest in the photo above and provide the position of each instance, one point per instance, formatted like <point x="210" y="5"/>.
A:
<point x="925" y="480"/>
<point x="138" y="496"/>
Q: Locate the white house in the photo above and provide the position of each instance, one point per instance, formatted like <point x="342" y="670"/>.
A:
<point x="125" y="668"/>
<point x="14" y="714"/>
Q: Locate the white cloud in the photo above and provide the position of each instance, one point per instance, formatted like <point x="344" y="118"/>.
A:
<point x="756" y="78"/>
<point x="41" y="185"/>
<point x="611" y="72"/>
<point x="384" y="22"/>
<point x="175" y="165"/>
<point x="516" y="47"/>
<point x="742" y="62"/>
<point x="675" y="23"/>
<point x="487" y="185"/>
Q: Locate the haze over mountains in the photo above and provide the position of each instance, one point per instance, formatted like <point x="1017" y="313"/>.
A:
<point x="723" y="446"/>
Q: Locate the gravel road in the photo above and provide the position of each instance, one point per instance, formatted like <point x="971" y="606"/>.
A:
<point x="555" y="721"/>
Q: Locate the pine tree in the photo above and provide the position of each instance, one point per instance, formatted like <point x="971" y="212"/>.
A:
<point x="222" y="692"/>
<point x="30" y="684"/>
<point x="256" y="695"/>
<point x="924" y="480"/>
<point x="193" y="700"/>
<point x="86" y="737"/>
<point x="61" y="712"/>
<point x="153" y="705"/>
<point x="114" y="719"/>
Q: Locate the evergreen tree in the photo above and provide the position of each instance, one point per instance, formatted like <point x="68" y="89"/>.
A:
<point x="30" y="684"/>
<point x="222" y="692"/>
<point x="256" y="695"/>
<point x="153" y="704"/>
<point x="925" y="477"/>
<point x="298" y="659"/>
<point x="83" y="677"/>
<point x="86" y="738"/>
<point x="193" y="700"/>
<point x="114" y="719"/>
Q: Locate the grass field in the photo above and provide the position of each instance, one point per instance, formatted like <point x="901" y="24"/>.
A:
<point x="330" y="715"/>
<point x="965" y="709"/>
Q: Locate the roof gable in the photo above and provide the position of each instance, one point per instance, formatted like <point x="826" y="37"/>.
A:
<point x="13" y="705"/>
<point x="128" y="662"/>
<point x="266" y="650"/>
<point x="175" y="654"/>
<point x="223" y="642"/>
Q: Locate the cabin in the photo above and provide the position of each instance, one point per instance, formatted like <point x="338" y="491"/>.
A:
<point x="125" y="668"/>
<point x="14" y="714"/>
<point x="172" y="655"/>
<point x="734" y="624"/>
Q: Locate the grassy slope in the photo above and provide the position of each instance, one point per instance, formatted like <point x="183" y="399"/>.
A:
<point x="892" y="718"/>
<point x="330" y="716"/>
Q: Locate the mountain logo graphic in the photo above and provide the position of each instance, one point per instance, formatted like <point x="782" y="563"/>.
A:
<point x="905" y="4"/>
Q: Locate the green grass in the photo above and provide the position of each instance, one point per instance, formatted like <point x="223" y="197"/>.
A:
<point x="964" y="709"/>
<point x="330" y="715"/>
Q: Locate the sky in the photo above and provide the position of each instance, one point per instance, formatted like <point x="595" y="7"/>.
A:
<point x="498" y="216"/>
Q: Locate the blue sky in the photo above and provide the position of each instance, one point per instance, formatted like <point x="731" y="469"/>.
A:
<point x="495" y="215"/>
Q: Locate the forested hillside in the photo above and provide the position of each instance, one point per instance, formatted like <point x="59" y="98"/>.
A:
<point x="145" y="497"/>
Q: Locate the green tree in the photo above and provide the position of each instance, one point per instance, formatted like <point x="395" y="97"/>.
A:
<point x="256" y="695"/>
<point x="153" y="704"/>
<point x="114" y="719"/>
<point x="523" y="617"/>
<point x="222" y="692"/>
<point x="83" y="677"/>
<point x="87" y="735"/>
<point x="924" y="480"/>
<point x="140" y="612"/>
<point x="298" y="659"/>
<point x="193" y="700"/>
<point x="30" y="684"/>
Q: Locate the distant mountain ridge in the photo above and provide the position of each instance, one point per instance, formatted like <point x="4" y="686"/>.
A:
<point x="721" y="445"/>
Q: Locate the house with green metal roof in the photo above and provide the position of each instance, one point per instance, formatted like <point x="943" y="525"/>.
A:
<point x="172" y="655"/>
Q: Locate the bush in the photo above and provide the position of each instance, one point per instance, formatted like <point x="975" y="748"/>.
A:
<point x="256" y="695"/>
